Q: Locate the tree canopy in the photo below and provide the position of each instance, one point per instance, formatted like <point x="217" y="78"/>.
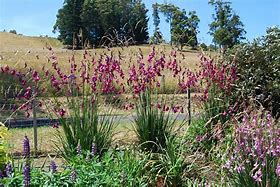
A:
<point x="227" y="29"/>
<point x="99" y="22"/>
<point x="183" y="26"/>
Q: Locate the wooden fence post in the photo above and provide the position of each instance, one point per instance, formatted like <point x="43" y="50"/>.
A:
<point x="34" y="122"/>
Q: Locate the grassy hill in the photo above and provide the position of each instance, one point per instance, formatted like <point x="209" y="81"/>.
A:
<point x="13" y="42"/>
<point x="15" y="50"/>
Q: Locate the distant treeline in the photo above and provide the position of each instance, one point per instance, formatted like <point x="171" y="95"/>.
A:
<point x="92" y="23"/>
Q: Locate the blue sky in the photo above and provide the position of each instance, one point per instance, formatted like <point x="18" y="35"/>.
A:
<point x="37" y="17"/>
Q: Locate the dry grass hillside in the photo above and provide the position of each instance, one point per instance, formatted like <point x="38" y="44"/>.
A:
<point x="16" y="50"/>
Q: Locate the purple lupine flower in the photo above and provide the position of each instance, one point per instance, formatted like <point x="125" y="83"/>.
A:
<point x="9" y="169"/>
<point x="93" y="149"/>
<point x="73" y="175"/>
<point x="53" y="166"/>
<point x="79" y="149"/>
<point x="1" y="175"/>
<point x="26" y="147"/>
<point x="278" y="170"/>
<point x="258" y="176"/>
<point x="26" y="174"/>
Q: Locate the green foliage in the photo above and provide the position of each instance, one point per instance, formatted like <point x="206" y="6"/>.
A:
<point x="98" y="22"/>
<point x="259" y="69"/>
<point x="124" y="168"/>
<point x="227" y="28"/>
<point x="84" y="127"/>
<point x="217" y="103"/>
<point x="170" y="165"/>
<point x="152" y="125"/>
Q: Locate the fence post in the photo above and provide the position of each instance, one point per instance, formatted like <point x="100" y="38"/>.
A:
<point x="189" y="105"/>
<point x="34" y="122"/>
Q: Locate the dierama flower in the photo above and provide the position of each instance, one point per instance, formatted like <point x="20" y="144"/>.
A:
<point x="258" y="176"/>
<point x="62" y="112"/>
<point x="256" y="143"/>
<point x="277" y="171"/>
<point x="35" y="76"/>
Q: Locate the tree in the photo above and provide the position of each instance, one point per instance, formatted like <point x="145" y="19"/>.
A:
<point x="69" y="23"/>
<point x="179" y="28"/>
<point x="102" y="22"/>
<point x="168" y="10"/>
<point x="183" y="27"/>
<point x="138" y="22"/>
<point x="13" y="31"/>
<point x="157" y="36"/>
<point x="227" y="29"/>
<point x="192" y="22"/>
<point x="91" y="20"/>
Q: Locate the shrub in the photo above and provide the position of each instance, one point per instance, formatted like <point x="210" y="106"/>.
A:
<point x="259" y="70"/>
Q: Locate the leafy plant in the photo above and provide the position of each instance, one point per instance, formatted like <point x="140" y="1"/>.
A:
<point x="124" y="168"/>
<point x="85" y="127"/>
<point x="173" y="166"/>
<point x="259" y="70"/>
<point x="152" y="124"/>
